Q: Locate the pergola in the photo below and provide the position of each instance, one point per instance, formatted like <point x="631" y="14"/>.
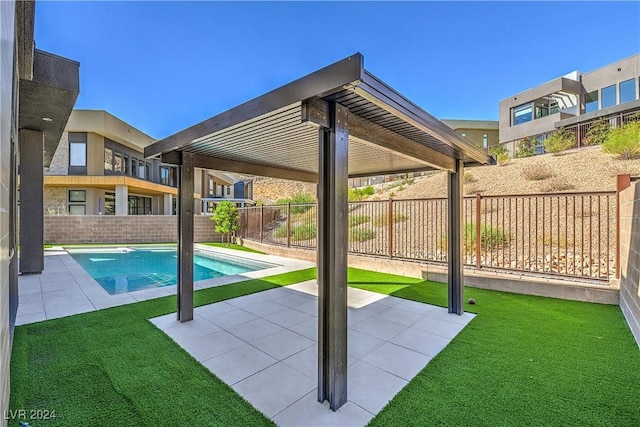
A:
<point x="338" y="122"/>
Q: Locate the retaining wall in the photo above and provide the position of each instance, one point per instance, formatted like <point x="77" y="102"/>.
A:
<point x="630" y="257"/>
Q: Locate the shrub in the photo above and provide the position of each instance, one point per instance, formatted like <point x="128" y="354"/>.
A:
<point x="490" y="238"/>
<point x="624" y="141"/>
<point x="356" y="194"/>
<point x="298" y="199"/>
<point x="303" y="232"/>
<point x="468" y="178"/>
<point x="526" y="147"/>
<point x="358" y="219"/>
<point x="559" y="141"/>
<point x="361" y="234"/>
<point x="280" y="231"/>
<point x="537" y="172"/>
<point x="501" y="153"/>
<point x="556" y="184"/>
<point x="226" y="218"/>
<point x="384" y="219"/>
<point x="598" y="132"/>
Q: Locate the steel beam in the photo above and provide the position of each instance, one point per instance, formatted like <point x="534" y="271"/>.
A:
<point x="31" y="143"/>
<point x="455" y="236"/>
<point x="332" y="259"/>
<point x="185" y="237"/>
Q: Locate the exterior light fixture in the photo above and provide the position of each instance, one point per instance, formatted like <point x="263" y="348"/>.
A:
<point x="47" y="119"/>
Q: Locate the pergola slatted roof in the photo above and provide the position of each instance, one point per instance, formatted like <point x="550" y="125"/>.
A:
<point x="279" y="130"/>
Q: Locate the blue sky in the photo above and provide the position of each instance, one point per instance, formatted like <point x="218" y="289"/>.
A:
<point x="163" y="66"/>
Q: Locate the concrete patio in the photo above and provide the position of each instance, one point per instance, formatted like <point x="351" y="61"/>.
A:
<point x="265" y="347"/>
<point x="64" y="288"/>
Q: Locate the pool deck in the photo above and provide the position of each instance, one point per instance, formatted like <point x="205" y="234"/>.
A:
<point x="64" y="288"/>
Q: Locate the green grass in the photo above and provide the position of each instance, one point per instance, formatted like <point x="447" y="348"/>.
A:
<point x="114" y="368"/>
<point x="233" y="246"/>
<point x="523" y="360"/>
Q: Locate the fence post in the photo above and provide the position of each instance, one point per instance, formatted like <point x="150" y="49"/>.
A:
<point x="623" y="182"/>
<point x="288" y="224"/>
<point x="478" y="230"/>
<point x="390" y="227"/>
<point x="261" y="223"/>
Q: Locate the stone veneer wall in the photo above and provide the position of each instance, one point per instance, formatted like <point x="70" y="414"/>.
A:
<point x="60" y="161"/>
<point x="68" y="229"/>
<point x="630" y="257"/>
<point x="55" y="201"/>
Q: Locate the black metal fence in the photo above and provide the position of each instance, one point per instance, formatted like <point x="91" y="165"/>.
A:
<point x="568" y="234"/>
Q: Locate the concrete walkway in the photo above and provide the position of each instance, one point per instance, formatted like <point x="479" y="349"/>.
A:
<point x="265" y="346"/>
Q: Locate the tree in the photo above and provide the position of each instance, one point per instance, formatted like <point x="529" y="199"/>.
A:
<point x="226" y="218"/>
<point x="526" y="147"/>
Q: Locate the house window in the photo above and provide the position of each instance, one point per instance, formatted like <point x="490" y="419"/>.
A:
<point x="134" y="167"/>
<point x="77" y="196"/>
<point x="118" y="163"/>
<point x="591" y="101"/>
<point x="228" y="190"/>
<point x="212" y="187"/>
<point x="77" y="153"/>
<point x="109" y="203"/>
<point x="609" y="96"/>
<point x="522" y="114"/>
<point x="485" y="140"/>
<point x="108" y="159"/>
<point x="165" y="176"/>
<point x="627" y="91"/>
<point x="139" y="205"/>
<point x="77" y="209"/>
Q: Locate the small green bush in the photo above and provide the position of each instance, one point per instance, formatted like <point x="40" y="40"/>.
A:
<point x="356" y="194"/>
<point x="624" y="141"/>
<point x="501" y="153"/>
<point x="468" y="178"/>
<point x="358" y="219"/>
<point x="384" y="219"/>
<point x="598" y="133"/>
<point x="526" y="147"/>
<point x="281" y="231"/>
<point x="303" y="232"/>
<point x="361" y="234"/>
<point x="226" y="218"/>
<point x="490" y="238"/>
<point x="298" y="199"/>
<point x="559" y="141"/>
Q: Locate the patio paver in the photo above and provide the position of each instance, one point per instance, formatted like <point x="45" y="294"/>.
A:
<point x="271" y="358"/>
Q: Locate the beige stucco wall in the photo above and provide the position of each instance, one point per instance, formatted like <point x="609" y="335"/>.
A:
<point x="630" y="257"/>
<point x="95" y="154"/>
<point x="7" y="118"/>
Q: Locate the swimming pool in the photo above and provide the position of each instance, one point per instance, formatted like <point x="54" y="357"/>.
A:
<point x="127" y="269"/>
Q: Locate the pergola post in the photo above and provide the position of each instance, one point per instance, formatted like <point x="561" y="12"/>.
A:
<point x="455" y="233"/>
<point x="31" y="144"/>
<point x="332" y="258"/>
<point x="185" y="237"/>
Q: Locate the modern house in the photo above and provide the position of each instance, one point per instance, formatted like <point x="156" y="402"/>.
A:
<point x="573" y="101"/>
<point x="481" y="133"/>
<point x="99" y="168"/>
<point x="37" y="92"/>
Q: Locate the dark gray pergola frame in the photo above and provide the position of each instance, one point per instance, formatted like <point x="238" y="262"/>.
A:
<point x="344" y="110"/>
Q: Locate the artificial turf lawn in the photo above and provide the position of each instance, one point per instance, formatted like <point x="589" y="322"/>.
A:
<point x="522" y="361"/>
<point x="233" y="246"/>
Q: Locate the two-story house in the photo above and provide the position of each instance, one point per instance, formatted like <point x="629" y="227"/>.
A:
<point x="99" y="168"/>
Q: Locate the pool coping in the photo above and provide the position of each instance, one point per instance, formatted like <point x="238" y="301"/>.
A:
<point x="64" y="288"/>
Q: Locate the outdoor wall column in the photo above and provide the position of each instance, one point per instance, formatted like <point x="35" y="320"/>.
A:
<point x="168" y="204"/>
<point x="185" y="237"/>
<point x="332" y="259"/>
<point x="31" y="201"/>
<point x="455" y="236"/>
<point x="122" y="200"/>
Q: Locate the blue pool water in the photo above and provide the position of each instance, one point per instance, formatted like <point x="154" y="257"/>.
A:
<point x="121" y="270"/>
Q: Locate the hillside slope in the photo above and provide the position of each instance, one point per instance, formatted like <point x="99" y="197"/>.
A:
<point x="577" y="170"/>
